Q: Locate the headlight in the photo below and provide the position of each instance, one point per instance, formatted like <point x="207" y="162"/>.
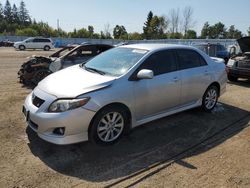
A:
<point x="63" y="105"/>
<point x="230" y="62"/>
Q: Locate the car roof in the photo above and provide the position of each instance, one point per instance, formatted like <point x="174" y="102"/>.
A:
<point x="205" y="44"/>
<point x="154" y="46"/>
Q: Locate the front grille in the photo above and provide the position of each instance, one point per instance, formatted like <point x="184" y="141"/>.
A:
<point x="37" y="101"/>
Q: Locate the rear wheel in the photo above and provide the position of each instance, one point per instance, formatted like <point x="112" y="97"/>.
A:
<point x="210" y="98"/>
<point x="232" y="78"/>
<point x="21" y="47"/>
<point x="108" y="125"/>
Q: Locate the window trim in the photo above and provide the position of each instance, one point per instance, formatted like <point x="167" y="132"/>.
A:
<point x="133" y="77"/>
<point x="200" y="57"/>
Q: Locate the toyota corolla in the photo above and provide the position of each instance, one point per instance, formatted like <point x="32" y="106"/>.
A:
<point x="120" y="89"/>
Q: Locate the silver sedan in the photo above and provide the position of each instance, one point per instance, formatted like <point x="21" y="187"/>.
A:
<point x="120" y="89"/>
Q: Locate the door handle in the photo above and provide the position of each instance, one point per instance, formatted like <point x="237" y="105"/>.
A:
<point x="207" y="72"/>
<point x="175" y="79"/>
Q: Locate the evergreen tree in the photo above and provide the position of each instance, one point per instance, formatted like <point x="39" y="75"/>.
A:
<point x="233" y="33"/>
<point x="146" y="26"/>
<point x="1" y="12"/>
<point x="205" y="32"/>
<point x="120" y="32"/>
<point x="218" y="30"/>
<point x="154" y="28"/>
<point x="23" y="14"/>
<point x="7" y="12"/>
<point x="15" y="14"/>
<point x="91" y="31"/>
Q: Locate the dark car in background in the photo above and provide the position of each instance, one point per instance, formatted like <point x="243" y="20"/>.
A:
<point x="38" y="67"/>
<point x="214" y="50"/>
<point x="238" y="66"/>
<point x="6" y="43"/>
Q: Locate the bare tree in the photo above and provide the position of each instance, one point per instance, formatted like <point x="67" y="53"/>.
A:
<point x="174" y="20"/>
<point x="188" y="22"/>
<point x="107" y="30"/>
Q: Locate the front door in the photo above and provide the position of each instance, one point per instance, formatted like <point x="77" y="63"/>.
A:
<point x="162" y="92"/>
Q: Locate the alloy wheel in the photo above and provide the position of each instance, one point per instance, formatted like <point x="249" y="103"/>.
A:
<point x="110" y="126"/>
<point x="211" y="98"/>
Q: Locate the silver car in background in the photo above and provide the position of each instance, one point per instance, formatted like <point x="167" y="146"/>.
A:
<point x="120" y="89"/>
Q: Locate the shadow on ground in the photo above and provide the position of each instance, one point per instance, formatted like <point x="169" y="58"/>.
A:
<point x="241" y="82"/>
<point x="139" y="149"/>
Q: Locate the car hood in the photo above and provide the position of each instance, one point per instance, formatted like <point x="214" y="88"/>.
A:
<point x="244" y="44"/>
<point x="73" y="81"/>
<point x="19" y="42"/>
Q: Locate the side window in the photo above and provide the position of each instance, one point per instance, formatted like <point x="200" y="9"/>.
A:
<point x="161" y="62"/>
<point x="45" y="40"/>
<point x="189" y="59"/>
<point x="88" y="51"/>
<point x="36" y="40"/>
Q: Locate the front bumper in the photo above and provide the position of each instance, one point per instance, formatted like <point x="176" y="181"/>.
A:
<point x="239" y="73"/>
<point x="75" y="122"/>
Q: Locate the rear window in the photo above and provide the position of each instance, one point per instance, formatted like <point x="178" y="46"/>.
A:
<point x="189" y="59"/>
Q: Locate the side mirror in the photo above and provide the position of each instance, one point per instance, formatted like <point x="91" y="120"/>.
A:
<point x="145" y="74"/>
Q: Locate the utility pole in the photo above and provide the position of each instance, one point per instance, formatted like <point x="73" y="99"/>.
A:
<point x="58" y="25"/>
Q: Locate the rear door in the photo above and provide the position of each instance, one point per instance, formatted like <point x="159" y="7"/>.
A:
<point x="162" y="92"/>
<point x="195" y="75"/>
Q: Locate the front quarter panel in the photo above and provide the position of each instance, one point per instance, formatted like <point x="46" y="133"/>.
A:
<point x="119" y="92"/>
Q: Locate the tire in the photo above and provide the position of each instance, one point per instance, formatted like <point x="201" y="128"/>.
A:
<point x="109" y="121"/>
<point x="210" y="98"/>
<point x="232" y="78"/>
<point x="21" y="47"/>
<point x="46" y="48"/>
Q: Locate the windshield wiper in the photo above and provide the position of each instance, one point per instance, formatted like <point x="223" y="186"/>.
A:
<point x="94" y="70"/>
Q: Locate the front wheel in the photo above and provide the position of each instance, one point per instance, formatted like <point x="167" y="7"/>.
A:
<point x="210" y="98"/>
<point x="21" y="47"/>
<point x="108" y="125"/>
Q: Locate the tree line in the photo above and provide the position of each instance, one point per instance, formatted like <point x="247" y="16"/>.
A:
<point x="179" y="24"/>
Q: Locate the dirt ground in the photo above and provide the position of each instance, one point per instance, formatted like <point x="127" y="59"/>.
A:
<point x="189" y="149"/>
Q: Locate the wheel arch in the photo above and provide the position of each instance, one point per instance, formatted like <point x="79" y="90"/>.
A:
<point x="115" y="104"/>
<point x="19" y="46"/>
<point x="216" y="84"/>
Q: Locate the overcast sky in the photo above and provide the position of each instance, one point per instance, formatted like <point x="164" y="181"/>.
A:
<point x="132" y="13"/>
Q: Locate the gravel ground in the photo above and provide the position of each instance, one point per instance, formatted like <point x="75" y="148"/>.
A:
<point x="189" y="149"/>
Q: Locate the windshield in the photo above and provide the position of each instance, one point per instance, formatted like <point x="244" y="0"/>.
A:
<point x="29" y="40"/>
<point x="115" y="62"/>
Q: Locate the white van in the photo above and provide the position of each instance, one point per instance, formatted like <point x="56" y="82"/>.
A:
<point x="34" y="43"/>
